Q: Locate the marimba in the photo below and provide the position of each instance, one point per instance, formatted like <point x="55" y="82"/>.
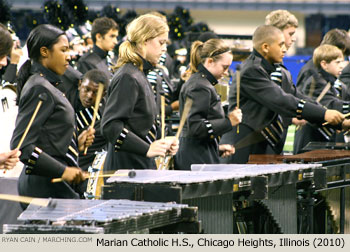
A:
<point x="211" y="192"/>
<point x="283" y="181"/>
<point x="336" y="191"/>
<point x="105" y="216"/>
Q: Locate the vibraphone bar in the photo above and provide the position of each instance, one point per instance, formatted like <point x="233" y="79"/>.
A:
<point x="211" y="192"/>
<point x="282" y="191"/>
<point x="102" y="216"/>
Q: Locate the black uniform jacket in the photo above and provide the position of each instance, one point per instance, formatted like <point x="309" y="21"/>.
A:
<point x="45" y="148"/>
<point x="336" y="98"/>
<point x="261" y="98"/>
<point x="309" y="69"/>
<point x="205" y="123"/>
<point x="94" y="59"/>
<point x="305" y="72"/>
<point x="128" y="118"/>
<point x="84" y="118"/>
<point x="288" y="87"/>
<point x="70" y="84"/>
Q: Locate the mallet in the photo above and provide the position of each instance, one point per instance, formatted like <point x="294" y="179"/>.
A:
<point x="238" y="87"/>
<point x="130" y="174"/>
<point x="97" y="103"/>
<point x="42" y="98"/>
<point x="50" y="203"/>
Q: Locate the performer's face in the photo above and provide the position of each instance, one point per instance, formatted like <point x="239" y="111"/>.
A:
<point x="108" y="41"/>
<point x="57" y="59"/>
<point x="87" y="93"/>
<point x="289" y="36"/>
<point x="219" y="68"/>
<point x="276" y="49"/>
<point x="334" y="67"/>
<point x="155" y="47"/>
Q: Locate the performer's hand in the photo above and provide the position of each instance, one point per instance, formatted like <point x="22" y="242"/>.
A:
<point x="174" y="145"/>
<point x="346" y="124"/>
<point x="86" y="138"/>
<point x="235" y="116"/>
<point x="298" y="122"/>
<point x="158" y="148"/>
<point x="73" y="175"/>
<point x="333" y="117"/>
<point x="9" y="159"/>
<point x="226" y="150"/>
<point x="16" y="54"/>
<point x="175" y="105"/>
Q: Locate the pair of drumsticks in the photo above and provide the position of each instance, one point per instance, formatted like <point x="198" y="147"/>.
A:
<point x="185" y="112"/>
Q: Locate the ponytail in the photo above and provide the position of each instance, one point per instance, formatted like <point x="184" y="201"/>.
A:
<point x="127" y="53"/>
<point x="195" y="57"/>
<point x="23" y="76"/>
<point x="141" y="29"/>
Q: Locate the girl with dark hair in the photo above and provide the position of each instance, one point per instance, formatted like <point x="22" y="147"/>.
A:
<point x="206" y="122"/>
<point x="50" y="149"/>
<point x="129" y="120"/>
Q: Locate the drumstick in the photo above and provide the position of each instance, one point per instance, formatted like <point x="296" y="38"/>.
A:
<point x="162" y="109"/>
<point x="324" y="91"/>
<point x="160" y="160"/>
<point x="345" y="115"/>
<point x="42" y="97"/>
<point x="187" y="108"/>
<point x="29" y="200"/>
<point x="97" y="103"/>
<point x="130" y="174"/>
<point x="238" y="82"/>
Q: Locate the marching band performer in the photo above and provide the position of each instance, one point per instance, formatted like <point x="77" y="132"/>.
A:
<point x="8" y="159"/>
<point x="129" y="119"/>
<point x="206" y="122"/>
<point x="50" y="149"/>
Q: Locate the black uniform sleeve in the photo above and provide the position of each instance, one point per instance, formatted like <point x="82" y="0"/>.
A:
<point x="198" y="125"/>
<point x="10" y="73"/>
<point x="168" y="110"/>
<point x="122" y="97"/>
<point x="38" y="162"/>
<point x="258" y="86"/>
<point x="305" y="72"/>
<point x="295" y="91"/>
<point x="84" y="66"/>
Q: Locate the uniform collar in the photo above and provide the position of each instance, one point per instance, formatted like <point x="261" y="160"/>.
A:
<point x="327" y="76"/>
<point x="103" y="54"/>
<point x="147" y="66"/>
<point x="264" y="63"/>
<point x="205" y="73"/>
<point x="52" y="77"/>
